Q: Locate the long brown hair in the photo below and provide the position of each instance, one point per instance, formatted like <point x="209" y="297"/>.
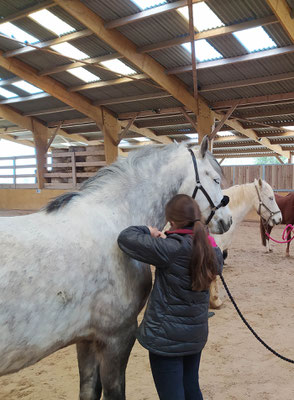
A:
<point x="183" y="211"/>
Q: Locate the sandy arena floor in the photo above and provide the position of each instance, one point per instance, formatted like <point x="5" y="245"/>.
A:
<point x="234" y="365"/>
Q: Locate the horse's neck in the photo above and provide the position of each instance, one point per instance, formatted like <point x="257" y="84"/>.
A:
<point x="246" y="201"/>
<point x="141" y="199"/>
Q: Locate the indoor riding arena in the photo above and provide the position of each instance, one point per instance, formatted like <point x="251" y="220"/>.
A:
<point x="108" y="109"/>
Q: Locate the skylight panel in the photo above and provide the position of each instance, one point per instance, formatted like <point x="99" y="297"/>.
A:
<point x="118" y="66"/>
<point x="83" y="74"/>
<point x="16" y="33"/>
<point x="144" y="4"/>
<point x="204" y="50"/>
<point x="289" y="128"/>
<point x="27" y="87"/>
<point x="7" y="93"/>
<point x="70" y="51"/>
<point x="203" y="17"/>
<point x="51" y="22"/>
<point x="255" y="39"/>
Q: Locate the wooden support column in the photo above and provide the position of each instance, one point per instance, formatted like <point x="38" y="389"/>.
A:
<point x="41" y="141"/>
<point x="110" y="129"/>
<point x="205" y="121"/>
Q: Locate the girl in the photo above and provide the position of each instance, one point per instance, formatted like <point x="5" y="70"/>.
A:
<point x="175" y="324"/>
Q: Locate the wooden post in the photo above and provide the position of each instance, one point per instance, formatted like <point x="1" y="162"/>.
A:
<point x="205" y="121"/>
<point x="40" y="139"/>
<point x="73" y="169"/>
<point x="110" y="129"/>
<point x="14" y="172"/>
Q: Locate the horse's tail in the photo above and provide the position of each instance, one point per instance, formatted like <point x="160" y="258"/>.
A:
<point x="262" y="232"/>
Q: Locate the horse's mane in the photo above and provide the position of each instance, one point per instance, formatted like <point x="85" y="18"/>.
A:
<point x="123" y="168"/>
<point x="236" y="193"/>
<point x="120" y="170"/>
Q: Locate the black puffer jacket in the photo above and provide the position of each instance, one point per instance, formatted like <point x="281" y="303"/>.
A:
<point x="176" y="318"/>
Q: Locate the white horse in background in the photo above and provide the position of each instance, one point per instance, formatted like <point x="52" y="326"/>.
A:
<point x="257" y="195"/>
<point x="63" y="279"/>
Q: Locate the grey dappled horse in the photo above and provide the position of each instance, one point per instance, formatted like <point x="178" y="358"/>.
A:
<point x="63" y="279"/>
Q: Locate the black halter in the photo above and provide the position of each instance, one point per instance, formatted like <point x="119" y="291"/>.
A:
<point x="225" y="200"/>
<point x="261" y="204"/>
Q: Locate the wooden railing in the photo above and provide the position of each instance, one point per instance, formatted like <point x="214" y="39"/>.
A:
<point x="67" y="169"/>
<point x="280" y="177"/>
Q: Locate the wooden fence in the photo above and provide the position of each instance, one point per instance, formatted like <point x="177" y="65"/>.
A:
<point x="68" y="169"/>
<point x="280" y="177"/>
<point x="63" y="169"/>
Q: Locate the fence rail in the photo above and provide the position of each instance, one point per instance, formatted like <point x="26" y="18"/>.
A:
<point x="280" y="177"/>
<point x="62" y="169"/>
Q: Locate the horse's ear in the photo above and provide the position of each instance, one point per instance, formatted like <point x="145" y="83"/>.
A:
<point x="204" y="146"/>
<point x="260" y="182"/>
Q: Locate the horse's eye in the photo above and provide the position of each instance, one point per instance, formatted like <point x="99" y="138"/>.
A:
<point x="216" y="180"/>
<point x="271" y="198"/>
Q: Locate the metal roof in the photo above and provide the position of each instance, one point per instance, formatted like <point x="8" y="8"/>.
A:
<point x="156" y="29"/>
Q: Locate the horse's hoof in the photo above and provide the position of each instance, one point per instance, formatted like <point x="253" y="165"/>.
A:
<point x="214" y="304"/>
<point x="270" y="250"/>
<point x="287" y="254"/>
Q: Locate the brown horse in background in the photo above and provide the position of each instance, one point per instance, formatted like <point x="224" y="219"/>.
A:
<point x="286" y="205"/>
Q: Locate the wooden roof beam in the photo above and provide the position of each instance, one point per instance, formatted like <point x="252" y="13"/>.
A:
<point x="140" y="16"/>
<point x="208" y="34"/>
<point x="283" y="12"/>
<point x="236" y="125"/>
<point x="52" y="87"/>
<point x="111" y="82"/>
<point x="25" y="12"/>
<point x="130" y="99"/>
<point x="128" y="49"/>
<point x="65" y="67"/>
<point x="28" y="123"/>
<point x="43" y="45"/>
<point x="247" y="82"/>
<point x="271" y="98"/>
<point x="234" y="60"/>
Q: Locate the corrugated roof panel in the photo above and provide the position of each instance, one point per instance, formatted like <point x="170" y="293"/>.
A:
<point x="8" y="44"/>
<point x="232" y="12"/>
<point x="172" y="57"/>
<point x="40" y="104"/>
<point x="228" y="46"/>
<point x="144" y="105"/>
<point x="66" y="17"/>
<point x="112" y="9"/>
<point x="8" y="7"/>
<point x="277" y="33"/>
<point x="156" y="29"/>
<point x="4" y="74"/>
<point x="92" y="46"/>
<point x="61" y="116"/>
<point x="30" y="26"/>
<point x="42" y="59"/>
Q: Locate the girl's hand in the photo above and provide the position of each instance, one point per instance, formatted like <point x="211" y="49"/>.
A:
<point x="154" y="232"/>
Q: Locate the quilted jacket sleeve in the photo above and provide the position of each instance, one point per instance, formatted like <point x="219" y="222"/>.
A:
<point x="219" y="260"/>
<point x="137" y="242"/>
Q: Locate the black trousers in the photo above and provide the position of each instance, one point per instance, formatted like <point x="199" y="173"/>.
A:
<point x="176" y="378"/>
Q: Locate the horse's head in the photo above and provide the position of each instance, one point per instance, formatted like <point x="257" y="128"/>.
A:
<point x="210" y="176"/>
<point x="266" y="205"/>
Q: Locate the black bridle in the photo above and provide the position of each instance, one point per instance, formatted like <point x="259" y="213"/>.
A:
<point x="261" y="204"/>
<point x="225" y="200"/>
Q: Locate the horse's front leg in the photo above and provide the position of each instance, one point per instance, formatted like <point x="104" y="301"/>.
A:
<point x="214" y="300"/>
<point x="113" y="362"/>
<point x="269" y="248"/>
<point x="90" y="384"/>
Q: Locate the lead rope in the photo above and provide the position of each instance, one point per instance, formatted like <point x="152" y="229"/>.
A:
<point x="249" y="327"/>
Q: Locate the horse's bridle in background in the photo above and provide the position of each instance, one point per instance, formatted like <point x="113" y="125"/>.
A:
<point x="225" y="200"/>
<point x="261" y="204"/>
